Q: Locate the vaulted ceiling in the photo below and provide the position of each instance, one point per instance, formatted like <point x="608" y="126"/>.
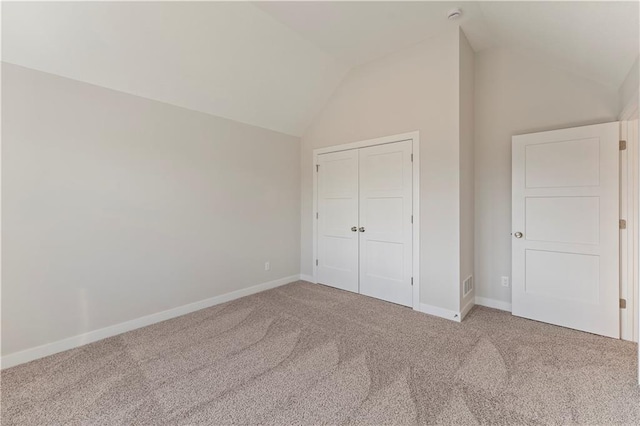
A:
<point x="598" y="40"/>
<point x="275" y="64"/>
<point x="228" y="59"/>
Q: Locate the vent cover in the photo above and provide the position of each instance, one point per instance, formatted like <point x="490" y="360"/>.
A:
<point x="467" y="285"/>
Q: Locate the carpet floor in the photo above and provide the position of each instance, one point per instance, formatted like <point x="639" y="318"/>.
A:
<point x="307" y="354"/>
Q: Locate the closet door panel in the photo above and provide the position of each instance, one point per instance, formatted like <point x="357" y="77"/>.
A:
<point x="338" y="220"/>
<point x="385" y="226"/>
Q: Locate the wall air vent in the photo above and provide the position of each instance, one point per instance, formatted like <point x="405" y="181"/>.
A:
<point x="467" y="285"/>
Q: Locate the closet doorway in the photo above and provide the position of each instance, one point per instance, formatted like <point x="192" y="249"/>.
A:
<point x="366" y="221"/>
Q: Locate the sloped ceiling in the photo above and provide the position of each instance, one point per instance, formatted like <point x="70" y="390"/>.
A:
<point x="358" y="32"/>
<point x="598" y="40"/>
<point x="227" y="59"/>
<point x="275" y="64"/>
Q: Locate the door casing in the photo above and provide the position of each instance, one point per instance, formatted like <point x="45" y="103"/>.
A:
<point x="414" y="137"/>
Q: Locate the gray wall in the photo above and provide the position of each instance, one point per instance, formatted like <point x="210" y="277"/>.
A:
<point x="628" y="90"/>
<point x="514" y="95"/>
<point x="116" y="207"/>
<point x="414" y="89"/>
<point x="467" y="93"/>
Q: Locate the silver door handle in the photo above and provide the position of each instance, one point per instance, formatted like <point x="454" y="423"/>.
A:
<point x="361" y="229"/>
<point x="518" y="235"/>
<point x="354" y="228"/>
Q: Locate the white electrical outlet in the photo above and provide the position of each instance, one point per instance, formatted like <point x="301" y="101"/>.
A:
<point x="267" y="266"/>
<point x="505" y="281"/>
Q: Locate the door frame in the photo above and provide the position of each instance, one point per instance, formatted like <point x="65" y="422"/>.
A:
<point x="415" y="138"/>
<point x="629" y="196"/>
<point x="630" y="118"/>
<point x="629" y="236"/>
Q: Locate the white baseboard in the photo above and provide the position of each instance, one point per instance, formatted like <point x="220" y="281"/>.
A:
<point x="466" y="309"/>
<point x="309" y="278"/>
<point x="113" y="330"/>
<point x="493" y="303"/>
<point x="440" y="312"/>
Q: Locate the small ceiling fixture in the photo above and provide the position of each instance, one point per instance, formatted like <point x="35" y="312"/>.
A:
<point x="454" y="14"/>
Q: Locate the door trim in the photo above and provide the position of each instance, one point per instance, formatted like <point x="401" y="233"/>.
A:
<point x="415" y="138"/>
<point x="629" y="236"/>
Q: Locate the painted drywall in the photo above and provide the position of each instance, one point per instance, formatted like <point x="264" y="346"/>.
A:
<point x="274" y="64"/>
<point x="230" y="59"/>
<point x="466" y="105"/>
<point x="414" y="89"/>
<point x="629" y="89"/>
<point x="116" y="207"/>
<point x="515" y="95"/>
<point x="597" y="39"/>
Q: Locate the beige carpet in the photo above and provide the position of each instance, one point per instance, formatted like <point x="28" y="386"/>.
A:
<point x="308" y="354"/>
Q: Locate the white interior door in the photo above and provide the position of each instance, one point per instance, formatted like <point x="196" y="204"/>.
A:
<point x="385" y="222"/>
<point x="565" y="224"/>
<point x="338" y="220"/>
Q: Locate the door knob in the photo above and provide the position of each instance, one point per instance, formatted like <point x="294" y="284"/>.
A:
<point x="354" y="229"/>
<point x="361" y="229"/>
<point x="518" y="234"/>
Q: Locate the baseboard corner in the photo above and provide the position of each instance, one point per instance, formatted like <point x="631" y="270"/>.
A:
<point x="467" y="308"/>
<point x="308" y="278"/>
<point x="493" y="303"/>
<point x="440" y="312"/>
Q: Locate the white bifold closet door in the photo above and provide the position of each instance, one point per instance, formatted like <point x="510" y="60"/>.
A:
<point x="365" y="223"/>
